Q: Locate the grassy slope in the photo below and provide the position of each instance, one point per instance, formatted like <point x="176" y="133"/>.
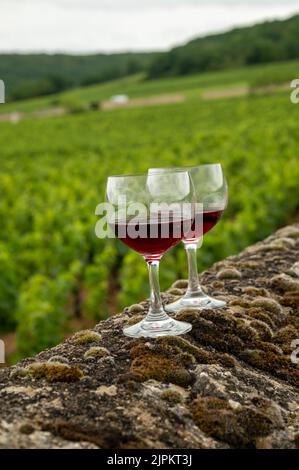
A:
<point x="136" y="86"/>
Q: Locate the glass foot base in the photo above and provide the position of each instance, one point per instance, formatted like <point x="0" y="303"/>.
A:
<point x="198" y="302"/>
<point x="150" y="329"/>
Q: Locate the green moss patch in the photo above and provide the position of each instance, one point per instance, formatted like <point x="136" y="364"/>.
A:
<point x="96" y="352"/>
<point x="291" y="299"/>
<point x="228" y="334"/>
<point x="134" y="320"/>
<point x="239" y="427"/>
<point x="171" y="396"/>
<point x="54" y="372"/>
<point x="136" y="308"/>
<point x="161" y="361"/>
<point x="86" y="337"/>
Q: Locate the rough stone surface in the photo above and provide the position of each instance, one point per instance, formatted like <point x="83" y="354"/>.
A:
<point x="228" y="383"/>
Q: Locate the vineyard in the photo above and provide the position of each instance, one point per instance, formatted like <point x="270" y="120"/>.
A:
<point x="52" y="175"/>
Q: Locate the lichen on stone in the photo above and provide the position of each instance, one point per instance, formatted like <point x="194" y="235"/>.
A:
<point x="110" y="390"/>
<point x="58" y="358"/>
<point x="107" y="361"/>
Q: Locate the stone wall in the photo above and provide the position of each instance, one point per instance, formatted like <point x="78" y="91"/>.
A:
<point x="228" y="383"/>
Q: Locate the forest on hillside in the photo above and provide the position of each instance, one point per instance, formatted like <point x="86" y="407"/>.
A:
<point x="270" y="41"/>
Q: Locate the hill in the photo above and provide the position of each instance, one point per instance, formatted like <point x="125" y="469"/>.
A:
<point x="270" y="41"/>
<point x="24" y="73"/>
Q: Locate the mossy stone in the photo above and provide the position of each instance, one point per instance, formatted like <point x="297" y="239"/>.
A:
<point x="86" y="337"/>
<point x="286" y="335"/>
<point x="171" y="396"/>
<point x="58" y="358"/>
<point x="229" y="273"/>
<point x="264" y="331"/>
<point x="238" y="427"/>
<point x="291" y="299"/>
<point x="136" y="308"/>
<point x="161" y="361"/>
<point x="134" y="320"/>
<point x="54" y="372"/>
<point x="270" y="305"/>
<point x="175" y="291"/>
<point x="259" y="314"/>
<point x="285" y="283"/>
<point x="96" y="352"/>
<point x="180" y="284"/>
<point x="26" y="428"/>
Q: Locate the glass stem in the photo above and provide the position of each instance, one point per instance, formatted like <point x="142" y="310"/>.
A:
<point x="156" y="311"/>
<point x="193" y="281"/>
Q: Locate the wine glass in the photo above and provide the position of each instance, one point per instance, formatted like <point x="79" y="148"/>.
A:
<point x="151" y="214"/>
<point x="211" y="193"/>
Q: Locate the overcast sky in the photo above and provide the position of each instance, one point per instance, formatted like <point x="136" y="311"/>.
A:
<point x="119" y="25"/>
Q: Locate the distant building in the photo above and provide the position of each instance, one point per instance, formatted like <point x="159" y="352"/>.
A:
<point x="119" y="99"/>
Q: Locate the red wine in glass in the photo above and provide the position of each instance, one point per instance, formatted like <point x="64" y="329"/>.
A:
<point x="208" y="219"/>
<point x="211" y="193"/>
<point x="154" y="236"/>
<point x="151" y="233"/>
